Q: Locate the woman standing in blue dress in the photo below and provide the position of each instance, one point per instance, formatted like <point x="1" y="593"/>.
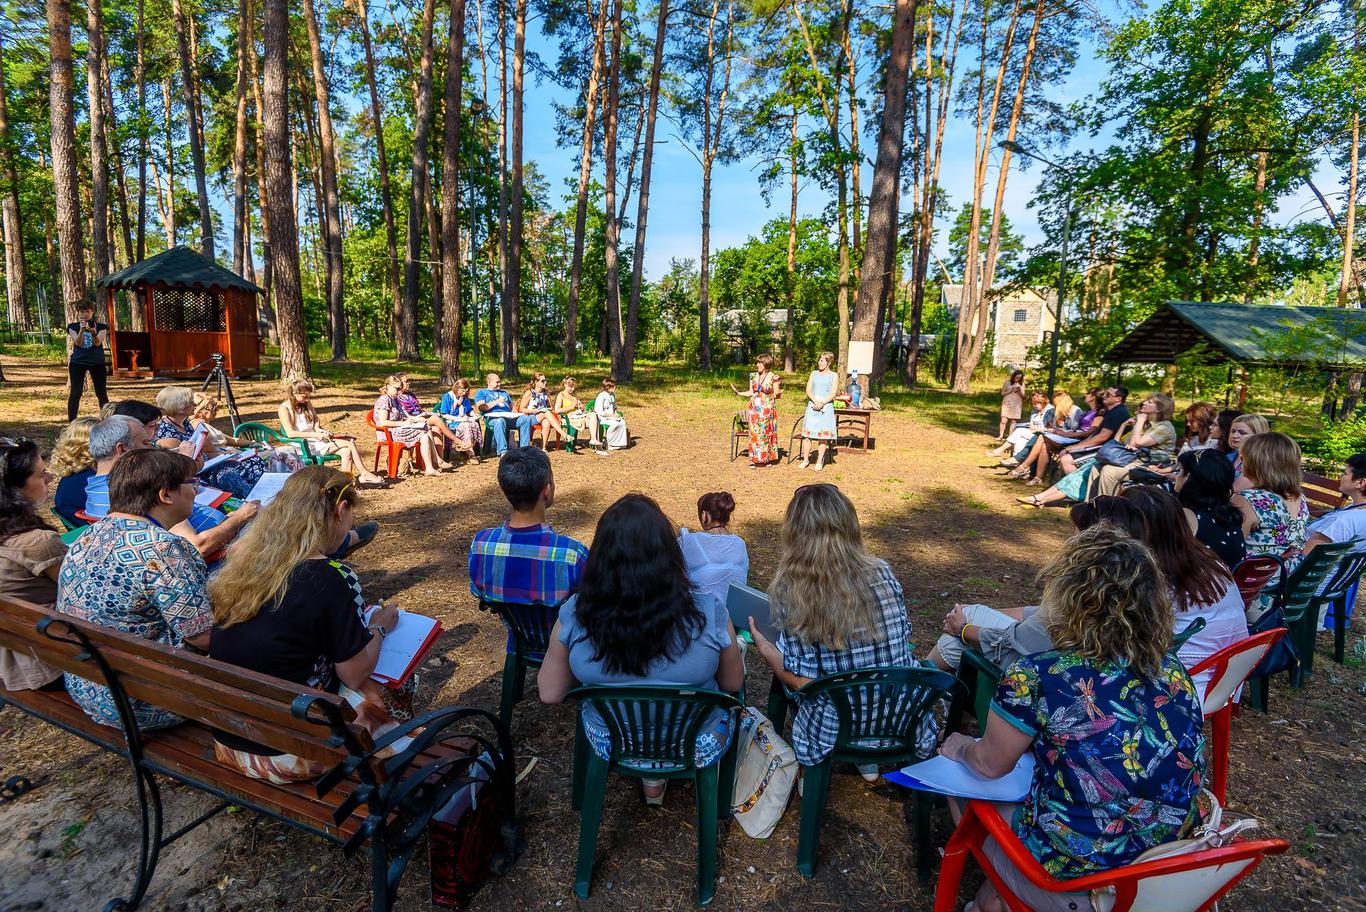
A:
<point x="819" y="424"/>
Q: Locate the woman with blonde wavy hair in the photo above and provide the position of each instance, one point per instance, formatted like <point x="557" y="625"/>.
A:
<point x="299" y="418"/>
<point x="73" y="465"/>
<point x="837" y="608"/>
<point x="281" y="607"/>
<point x="1112" y="719"/>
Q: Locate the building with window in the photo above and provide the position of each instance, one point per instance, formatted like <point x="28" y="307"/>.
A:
<point x="1020" y="318"/>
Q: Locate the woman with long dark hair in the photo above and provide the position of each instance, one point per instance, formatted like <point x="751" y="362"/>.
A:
<point x="1201" y="584"/>
<point x="636" y="619"/>
<point x="1204" y="486"/>
<point x="31" y="554"/>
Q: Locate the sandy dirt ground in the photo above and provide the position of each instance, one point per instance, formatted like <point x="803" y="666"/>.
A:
<point x="952" y="533"/>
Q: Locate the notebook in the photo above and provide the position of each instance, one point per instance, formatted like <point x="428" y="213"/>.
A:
<point x="217" y="460"/>
<point x="405" y="647"/>
<point x="744" y="602"/>
<point x="949" y="777"/>
<point x="212" y="497"/>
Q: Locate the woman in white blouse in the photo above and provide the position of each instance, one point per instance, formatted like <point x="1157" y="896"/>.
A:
<point x="715" y="557"/>
<point x="613" y="424"/>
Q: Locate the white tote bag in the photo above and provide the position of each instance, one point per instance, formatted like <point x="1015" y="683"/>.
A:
<point x="765" y="772"/>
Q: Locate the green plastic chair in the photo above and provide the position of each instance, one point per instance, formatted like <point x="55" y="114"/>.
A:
<point x="255" y="430"/>
<point x="660" y="726"/>
<point x="875" y="706"/>
<point x="529" y="629"/>
<point x="1322" y="578"/>
<point x="1345" y="589"/>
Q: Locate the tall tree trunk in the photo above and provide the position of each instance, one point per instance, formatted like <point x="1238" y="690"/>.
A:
<point x="246" y="44"/>
<point x="880" y="252"/>
<point x="99" y="144"/>
<point x="504" y="312"/>
<point x="713" y="125"/>
<point x="626" y="369"/>
<point x="65" y="165"/>
<point x="116" y="157"/>
<point x="330" y="220"/>
<point x="590" y="100"/>
<point x="168" y="214"/>
<point x="933" y="158"/>
<point x="15" y="293"/>
<point x="195" y="117"/>
<point x="449" y="350"/>
<point x="144" y="137"/>
<point x="385" y="194"/>
<point x="855" y="158"/>
<point x="269" y="322"/>
<point x="612" y="318"/>
<point x="284" y="241"/>
<point x="789" y="328"/>
<point x="1350" y="216"/>
<point x="405" y="318"/>
<point x="972" y="319"/>
<point x="512" y="284"/>
<point x="435" y="253"/>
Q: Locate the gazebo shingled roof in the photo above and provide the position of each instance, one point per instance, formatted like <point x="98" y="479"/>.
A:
<point x="179" y="267"/>
<point x="1239" y="331"/>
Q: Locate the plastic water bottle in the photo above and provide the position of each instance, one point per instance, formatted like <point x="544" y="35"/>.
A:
<point x="855" y="390"/>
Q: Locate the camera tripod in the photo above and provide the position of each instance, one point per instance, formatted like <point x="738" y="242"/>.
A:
<point x="218" y="375"/>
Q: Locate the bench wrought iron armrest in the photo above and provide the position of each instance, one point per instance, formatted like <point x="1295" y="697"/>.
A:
<point x="414" y="786"/>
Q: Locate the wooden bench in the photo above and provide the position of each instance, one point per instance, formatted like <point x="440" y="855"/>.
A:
<point x="1322" y="493"/>
<point x="386" y="800"/>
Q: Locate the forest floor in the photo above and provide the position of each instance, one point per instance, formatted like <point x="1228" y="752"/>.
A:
<point x="952" y="533"/>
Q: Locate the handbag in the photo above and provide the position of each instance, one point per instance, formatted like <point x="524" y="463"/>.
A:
<point x="1280" y="657"/>
<point x="1114" y="453"/>
<point x="765" y="772"/>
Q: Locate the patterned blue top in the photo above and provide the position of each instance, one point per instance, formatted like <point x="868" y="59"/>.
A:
<point x="815" y="727"/>
<point x="134" y="576"/>
<point x="1120" y="759"/>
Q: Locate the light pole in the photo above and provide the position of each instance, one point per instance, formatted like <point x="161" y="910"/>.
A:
<point x="1062" y="261"/>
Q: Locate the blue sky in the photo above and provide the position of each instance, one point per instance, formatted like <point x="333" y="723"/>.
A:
<point x="738" y="208"/>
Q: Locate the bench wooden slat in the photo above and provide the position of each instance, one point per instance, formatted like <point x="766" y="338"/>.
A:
<point x="188" y="750"/>
<point x="167" y="678"/>
<point x="1322" y="493"/>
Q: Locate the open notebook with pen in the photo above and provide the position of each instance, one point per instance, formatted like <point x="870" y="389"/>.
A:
<point x="405" y="647"/>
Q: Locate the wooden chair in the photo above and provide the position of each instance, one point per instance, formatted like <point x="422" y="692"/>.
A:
<point x="658" y="726"/>
<point x="384" y="440"/>
<point x="1228" y="668"/>
<point x="739" y="436"/>
<point x="1322" y="493"/>
<point x="1179" y="883"/>
<point x="383" y="799"/>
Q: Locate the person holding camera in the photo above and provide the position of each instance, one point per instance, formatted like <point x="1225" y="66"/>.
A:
<point x="88" y="339"/>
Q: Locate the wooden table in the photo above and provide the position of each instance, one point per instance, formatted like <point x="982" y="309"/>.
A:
<point x="854" y="419"/>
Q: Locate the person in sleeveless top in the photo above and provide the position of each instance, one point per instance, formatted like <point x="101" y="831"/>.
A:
<point x="299" y="418"/>
<point x="820" y="423"/>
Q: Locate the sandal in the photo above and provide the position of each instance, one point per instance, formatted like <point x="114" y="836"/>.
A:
<point x="1030" y="501"/>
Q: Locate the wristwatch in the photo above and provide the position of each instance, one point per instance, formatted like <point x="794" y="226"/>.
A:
<point x="378" y="628"/>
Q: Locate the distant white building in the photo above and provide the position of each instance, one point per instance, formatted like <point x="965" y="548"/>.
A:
<point x="1019" y="319"/>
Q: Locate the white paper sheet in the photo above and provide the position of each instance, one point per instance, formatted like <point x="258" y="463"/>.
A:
<point x="269" y="485"/>
<point x="218" y="460"/>
<point x="949" y="777"/>
<point x="208" y="497"/>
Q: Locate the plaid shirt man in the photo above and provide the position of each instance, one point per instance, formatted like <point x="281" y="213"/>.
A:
<point x="528" y="566"/>
<point x="816" y="725"/>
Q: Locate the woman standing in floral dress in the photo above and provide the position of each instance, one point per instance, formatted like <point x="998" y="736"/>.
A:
<point x="761" y="416"/>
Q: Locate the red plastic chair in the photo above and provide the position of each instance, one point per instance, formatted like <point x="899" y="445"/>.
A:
<point x="1253" y="575"/>
<point x="385" y="440"/>
<point x="1180" y="883"/>
<point x="1229" y="668"/>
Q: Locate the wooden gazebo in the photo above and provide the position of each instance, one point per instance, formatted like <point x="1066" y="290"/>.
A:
<point x="191" y="308"/>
